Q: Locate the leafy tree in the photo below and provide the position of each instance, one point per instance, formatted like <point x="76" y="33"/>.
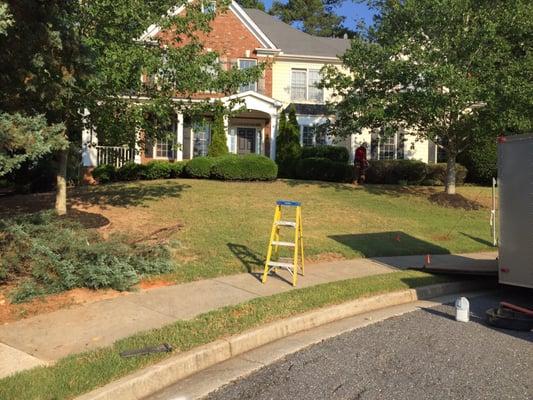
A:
<point x="218" y="145"/>
<point x="316" y="17"/>
<point x="451" y="71"/>
<point x="252" y="4"/>
<point x="64" y="56"/>
<point x="288" y="149"/>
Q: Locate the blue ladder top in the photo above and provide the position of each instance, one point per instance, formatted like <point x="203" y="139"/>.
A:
<point x="288" y="203"/>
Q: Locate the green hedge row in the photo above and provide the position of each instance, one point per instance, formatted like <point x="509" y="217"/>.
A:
<point x="333" y="153"/>
<point x="411" y="172"/>
<point x="133" y="172"/>
<point x="250" y="167"/>
<point x="323" y="169"/>
<point x="231" y="167"/>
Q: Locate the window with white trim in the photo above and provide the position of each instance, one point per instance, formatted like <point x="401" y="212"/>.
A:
<point x="163" y="149"/>
<point x="304" y="85"/>
<point x="387" y="147"/>
<point x="243" y="64"/>
<point x="202" y="138"/>
<point x="308" y="136"/>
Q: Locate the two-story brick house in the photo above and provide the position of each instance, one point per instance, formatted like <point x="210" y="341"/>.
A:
<point x="245" y="37"/>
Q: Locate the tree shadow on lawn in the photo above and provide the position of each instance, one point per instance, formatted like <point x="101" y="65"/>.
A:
<point x="118" y="195"/>
<point x="399" y="190"/>
<point x="383" y="244"/>
<point x="338" y="186"/>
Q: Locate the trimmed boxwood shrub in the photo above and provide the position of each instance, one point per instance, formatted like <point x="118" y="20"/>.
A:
<point x="436" y="174"/>
<point x="251" y="167"/>
<point x="323" y="169"/>
<point x="105" y="173"/>
<point x="481" y="161"/>
<point x="410" y="171"/>
<point x="156" y="170"/>
<point x="413" y="172"/>
<point x="177" y="169"/>
<point x="200" y="167"/>
<point x="333" y="153"/>
<point x="130" y="172"/>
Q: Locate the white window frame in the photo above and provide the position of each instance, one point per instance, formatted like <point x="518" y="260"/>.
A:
<point x="248" y="84"/>
<point x="313" y="138"/>
<point x="307" y="85"/>
<point x="167" y="142"/>
<point x="397" y="138"/>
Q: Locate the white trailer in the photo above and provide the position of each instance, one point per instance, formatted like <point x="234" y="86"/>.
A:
<point x="515" y="192"/>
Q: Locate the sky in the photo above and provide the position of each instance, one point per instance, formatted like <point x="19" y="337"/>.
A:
<point x="351" y="10"/>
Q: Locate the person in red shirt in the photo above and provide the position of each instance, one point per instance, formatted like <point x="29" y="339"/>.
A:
<point x="360" y="164"/>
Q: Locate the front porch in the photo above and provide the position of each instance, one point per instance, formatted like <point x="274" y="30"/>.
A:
<point x="250" y="130"/>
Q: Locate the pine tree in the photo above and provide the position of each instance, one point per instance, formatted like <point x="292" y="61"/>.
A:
<point x="218" y="146"/>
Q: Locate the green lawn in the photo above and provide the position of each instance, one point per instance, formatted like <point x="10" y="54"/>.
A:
<point x="81" y="373"/>
<point x="226" y="225"/>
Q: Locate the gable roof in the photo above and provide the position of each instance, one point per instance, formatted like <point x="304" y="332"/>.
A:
<point x="294" y="42"/>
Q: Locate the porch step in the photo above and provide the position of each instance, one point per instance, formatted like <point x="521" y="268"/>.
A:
<point x="287" y="244"/>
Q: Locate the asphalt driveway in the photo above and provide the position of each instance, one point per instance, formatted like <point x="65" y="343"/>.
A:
<point x="425" y="354"/>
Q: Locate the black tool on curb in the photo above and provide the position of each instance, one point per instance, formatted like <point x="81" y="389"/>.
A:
<point x="162" y="348"/>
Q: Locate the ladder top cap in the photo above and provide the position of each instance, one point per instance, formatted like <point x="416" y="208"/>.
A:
<point x="288" y="203"/>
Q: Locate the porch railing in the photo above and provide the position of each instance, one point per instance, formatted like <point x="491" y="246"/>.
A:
<point x="114" y="155"/>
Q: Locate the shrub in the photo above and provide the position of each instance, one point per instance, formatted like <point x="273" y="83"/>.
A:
<point x="251" y="167"/>
<point x="200" y="167"/>
<point x="177" y="169"/>
<point x="49" y="254"/>
<point x="105" y="173"/>
<point x="380" y="171"/>
<point x="481" y="162"/>
<point x="334" y="153"/>
<point x="218" y="146"/>
<point x="130" y="172"/>
<point x="323" y="169"/>
<point x="436" y="173"/>
<point x="412" y="172"/>
<point x="288" y="149"/>
<point x="156" y="170"/>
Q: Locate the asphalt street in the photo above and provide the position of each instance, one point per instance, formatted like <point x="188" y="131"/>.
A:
<point x="425" y="354"/>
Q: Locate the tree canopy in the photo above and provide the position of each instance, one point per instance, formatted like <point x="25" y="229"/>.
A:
<point x="252" y="4"/>
<point x="451" y="71"/>
<point x="316" y="17"/>
<point x="62" y="57"/>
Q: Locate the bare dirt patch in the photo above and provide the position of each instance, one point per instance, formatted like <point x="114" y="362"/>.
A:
<point x="11" y="312"/>
<point x="454" y="201"/>
<point x="325" y="257"/>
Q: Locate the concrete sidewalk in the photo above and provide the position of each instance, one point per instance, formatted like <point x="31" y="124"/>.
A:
<point x="48" y="337"/>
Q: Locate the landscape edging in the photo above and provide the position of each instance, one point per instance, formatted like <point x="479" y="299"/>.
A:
<point x="150" y="380"/>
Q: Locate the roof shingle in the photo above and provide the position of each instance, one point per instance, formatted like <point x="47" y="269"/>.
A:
<point x="293" y="41"/>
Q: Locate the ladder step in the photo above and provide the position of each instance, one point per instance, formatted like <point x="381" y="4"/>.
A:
<point x="280" y="264"/>
<point x="288" y="244"/>
<point x="286" y="223"/>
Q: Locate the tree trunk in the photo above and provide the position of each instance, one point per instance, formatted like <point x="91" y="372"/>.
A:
<point x="61" y="190"/>
<point x="450" y="174"/>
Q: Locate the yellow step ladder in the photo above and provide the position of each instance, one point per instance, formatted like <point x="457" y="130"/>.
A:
<point x="274" y="244"/>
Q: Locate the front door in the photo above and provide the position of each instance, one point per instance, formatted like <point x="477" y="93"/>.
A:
<point x="246" y="140"/>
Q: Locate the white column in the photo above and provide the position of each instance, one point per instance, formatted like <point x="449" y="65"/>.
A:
<point x="89" y="141"/>
<point x="137" y="156"/>
<point x="228" y="134"/>
<point x="273" y="135"/>
<point x="179" y="137"/>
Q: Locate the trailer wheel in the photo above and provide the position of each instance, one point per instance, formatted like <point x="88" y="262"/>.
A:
<point x="508" y="319"/>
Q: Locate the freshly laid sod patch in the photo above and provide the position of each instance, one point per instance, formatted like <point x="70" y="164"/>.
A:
<point x="81" y="373"/>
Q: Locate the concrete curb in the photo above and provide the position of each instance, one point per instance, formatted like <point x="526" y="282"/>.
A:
<point x="156" y="377"/>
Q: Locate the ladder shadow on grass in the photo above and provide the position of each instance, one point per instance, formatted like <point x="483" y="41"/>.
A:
<point x="251" y="260"/>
